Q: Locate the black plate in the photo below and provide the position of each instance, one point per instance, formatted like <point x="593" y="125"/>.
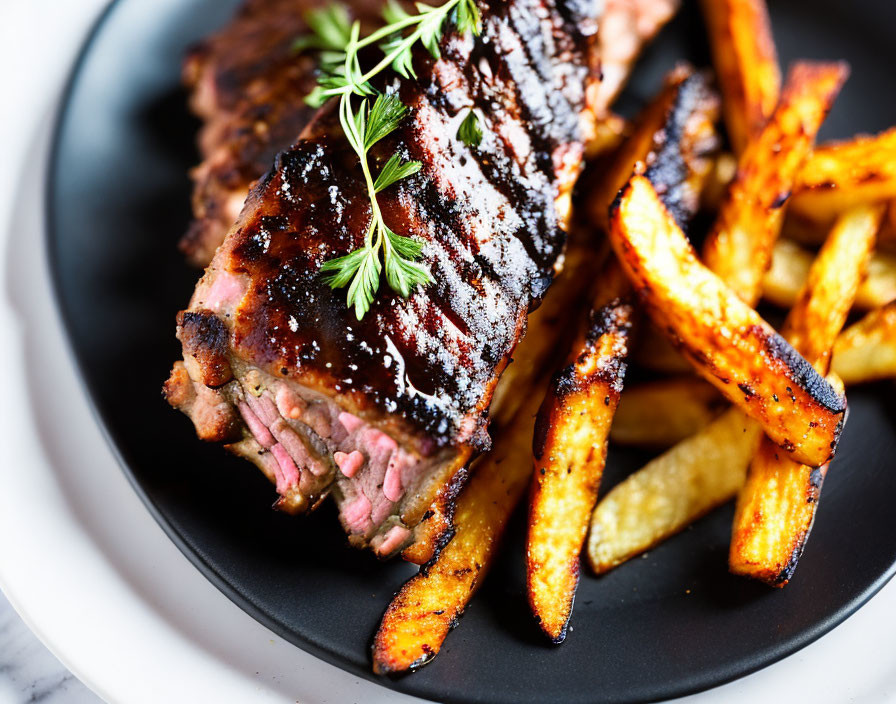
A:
<point x="671" y="623"/>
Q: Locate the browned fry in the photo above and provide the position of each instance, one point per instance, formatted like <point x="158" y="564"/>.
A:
<point x="840" y="175"/>
<point x="548" y="328"/>
<point x="790" y="268"/>
<point x="606" y="135"/>
<point x="570" y="448"/>
<point x="410" y="634"/>
<point x="866" y="351"/>
<point x="776" y="506"/>
<point x="724" y="339"/>
<point x="661" y="413"/>
<point x="675" y="136"/>
<point x="810" y="233"/>
<point x="427" y="607"/>
<point x="746" y="62"/>
<point x="818" y="315"/>
<point x="672" y="491"/>
<point x="740" y="245"/>
<point x="675" y="130"/>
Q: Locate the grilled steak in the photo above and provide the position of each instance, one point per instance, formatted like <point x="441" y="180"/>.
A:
<point x="383" y="414"/>
<point x="246" y="83"/>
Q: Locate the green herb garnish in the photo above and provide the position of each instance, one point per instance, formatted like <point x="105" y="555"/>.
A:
<point x="469" y="132"/>
<point x="341" y="76"/>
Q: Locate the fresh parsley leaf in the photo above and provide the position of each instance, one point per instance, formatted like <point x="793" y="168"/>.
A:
<point x="402" y="64"/>
<point x="338" y="40"/>
<point x="467" y="17"/>
<point x="343" y="268"/>
<point x="469" y="132"/>
<point x="394" y="13"/>
<point x="430" y="28"/>
<point x="330" y="27"/>
<point x="394" y="171"/>
<point x="403" y="274"/>
<point x="366" y="281"/>
<point x="407" y="247"/>
<point x="386" y="113"/>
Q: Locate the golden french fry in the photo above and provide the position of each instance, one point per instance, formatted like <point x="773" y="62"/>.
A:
<point x="739" y="247"/>
<point x="605" y="135"/>
<point x="664" y="412"/>
<point x="724" y="339"/>
<point x="427" y="607"/>
<point x="821" y="308"/>
<point x="570" y="448"/>
<point x="775" y="513"/>
<point x="776" y="506"/>
<point x="677" y="131"/>
<point x="840" y="175"/>
<point x="548" y="328"/>
<point x="672" y="491"/>
<point x="866" y="351"/>
<point x="746" y="62"/>
<point x="409" y="635"/>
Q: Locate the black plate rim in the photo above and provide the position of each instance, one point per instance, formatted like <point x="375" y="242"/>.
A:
<point x="688" y="685"/>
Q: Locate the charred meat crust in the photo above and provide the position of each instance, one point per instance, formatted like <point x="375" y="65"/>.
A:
<point x="246" y="83"/>
<point x="205" y="337"/>
<point x="414" y="377"/>
<point x="491" y="232"/>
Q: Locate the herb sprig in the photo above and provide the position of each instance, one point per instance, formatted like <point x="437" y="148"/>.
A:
<point x="339" y="43"/>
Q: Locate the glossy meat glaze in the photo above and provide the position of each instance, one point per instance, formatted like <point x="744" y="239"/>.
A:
<point x="384" y="413"/>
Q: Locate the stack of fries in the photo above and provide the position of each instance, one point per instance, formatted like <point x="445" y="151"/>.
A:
<point x="751" y="413"/>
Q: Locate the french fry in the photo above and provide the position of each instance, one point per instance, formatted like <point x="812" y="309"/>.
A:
<point x="739" y="247"/>
<point x="408" y="633"/>
<point x="790" y="267"/>
<point x="724" y="339"/>
<point x="776" y="506"/>
<point x="841" y="175"/>
<point x="676" y="131"/>
<point x="664" y="412"/>
<point x="570" y="448"/>
<point x="537" y="351"/>
<point x="672" y="491"/>
<point x="866" y="351"/>
<point x="606" y="135"/>
<point x="428" y="605"/>
<point x="818" y="315"/>
<point x="675" y="136"/>
<point x="746" y="62"/>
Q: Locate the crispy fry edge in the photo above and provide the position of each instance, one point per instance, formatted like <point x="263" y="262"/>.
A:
<point x="570" y="449"/>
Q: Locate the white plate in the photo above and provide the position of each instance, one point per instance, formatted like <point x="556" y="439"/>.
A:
<point x="88" y="568"/>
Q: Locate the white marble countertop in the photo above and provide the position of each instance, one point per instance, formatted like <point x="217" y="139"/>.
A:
<point x="31" y="673"/>
<point x="855" y="663"/>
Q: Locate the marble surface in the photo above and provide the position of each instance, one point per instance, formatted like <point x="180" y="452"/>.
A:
<point x="31" y="673"/>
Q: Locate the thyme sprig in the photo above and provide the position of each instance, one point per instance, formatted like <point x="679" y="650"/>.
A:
<point x="339" y="43"/>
